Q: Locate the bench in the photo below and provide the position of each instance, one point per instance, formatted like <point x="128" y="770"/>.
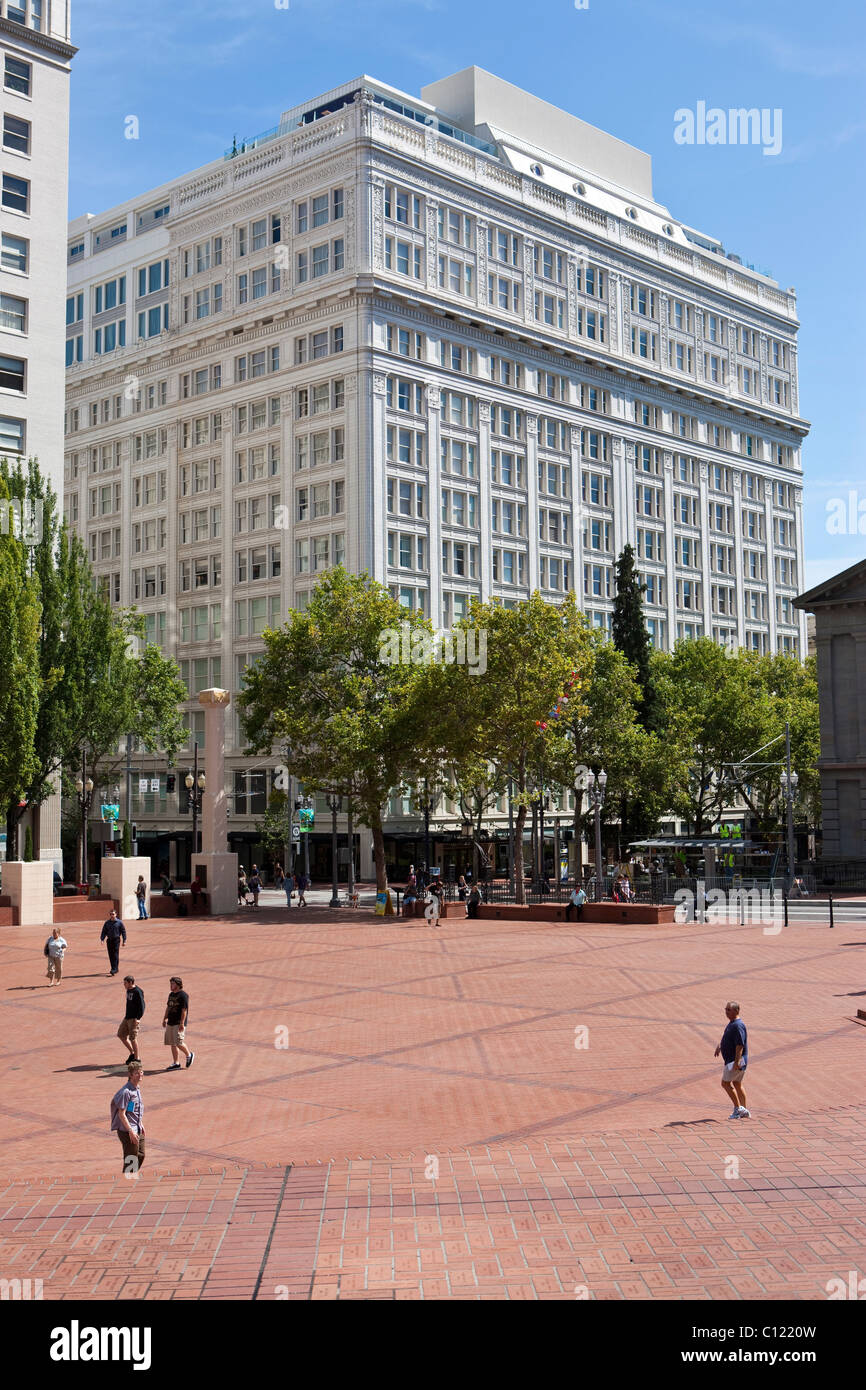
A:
<point x="639" y="914"/>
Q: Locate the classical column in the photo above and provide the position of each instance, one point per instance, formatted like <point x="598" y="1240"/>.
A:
<point x="434" y="507"/>
<point x="532" y="503"/>
<point x="217" y="869"/>
<point x="485" y="548"/>
<point x="670" y="555"/>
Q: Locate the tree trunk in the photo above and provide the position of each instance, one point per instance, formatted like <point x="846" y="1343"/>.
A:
<point x="379" y="852"/>
<point x="577" y="836"/>
<point x="13" y="817"/>
<point x="517" y="853"/>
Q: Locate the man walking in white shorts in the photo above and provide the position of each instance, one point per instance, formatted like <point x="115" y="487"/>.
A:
<point x="734" y="1048"/>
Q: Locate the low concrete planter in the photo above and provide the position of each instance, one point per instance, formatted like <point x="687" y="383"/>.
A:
<point x="81" y="909"/>
<point x="647" y="914"/>
<point x="30" y="890"/>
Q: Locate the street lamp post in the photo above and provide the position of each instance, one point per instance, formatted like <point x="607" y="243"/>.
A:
<point x="350" y="835"/>
<point x="577" y="825"/>
<point x="511" y="838"/>
<point x="195" y="785"/>
<point x="789" y="782"/>
<point x="308" y="802"/>
<point x="84" y="788"/>
<point x="335" y="804"/>
<point x="597" y="789"/>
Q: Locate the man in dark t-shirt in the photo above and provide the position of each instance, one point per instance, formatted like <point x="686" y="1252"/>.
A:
<point x="174" y="1023"/>
<point x="734" y="1049"/>
<point x="113" y="932"/>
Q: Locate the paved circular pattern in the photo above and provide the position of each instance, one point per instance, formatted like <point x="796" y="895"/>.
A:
<point x="439" y="1122"/>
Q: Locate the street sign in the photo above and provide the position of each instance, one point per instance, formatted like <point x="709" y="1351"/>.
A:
<point x="296" y="832"/>
<point x="307" y="818"/>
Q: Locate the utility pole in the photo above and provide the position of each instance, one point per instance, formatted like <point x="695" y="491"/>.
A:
<point x="308" y="801"/>
<point x="596" y="790"/>
<point x="789" y="786"/>
<point x="129" y="738"/>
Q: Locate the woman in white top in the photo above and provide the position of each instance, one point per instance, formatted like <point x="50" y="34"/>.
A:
<point x="55" y="950"/>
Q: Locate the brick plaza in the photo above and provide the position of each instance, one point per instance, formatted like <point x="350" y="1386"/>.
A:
<point x="432" y="1130"/>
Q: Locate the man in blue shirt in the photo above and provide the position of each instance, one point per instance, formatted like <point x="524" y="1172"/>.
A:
<point x="113" y="932"/>
<point x="734" y="1048"/>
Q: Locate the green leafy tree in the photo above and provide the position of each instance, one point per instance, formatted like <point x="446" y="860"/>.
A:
<point x="126" y="841"/>
<point x="476" y="789"/>
<point x="708" y="694"/>
<point x="629" y="632"/>
<point x="645" y="772"/>
<point x="19" y="684"/>
<point x="28" y="845"/>
<point x="94" y="680"/>
<point x="782" y="690"/>
<point x="273" y="828"/>
<point x="535" y="651"/>
<point x="334" y="689"/>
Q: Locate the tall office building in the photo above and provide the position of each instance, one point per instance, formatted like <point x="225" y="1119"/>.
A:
<point x="453" y="341"/>
<point x="36" y="53"/>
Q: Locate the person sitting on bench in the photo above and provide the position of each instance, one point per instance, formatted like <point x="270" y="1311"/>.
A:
<point x="577" y="900"/>
<point x="168" y="890"/>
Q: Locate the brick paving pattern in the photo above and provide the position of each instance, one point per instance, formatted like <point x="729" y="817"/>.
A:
<point x="432" y="1130"/>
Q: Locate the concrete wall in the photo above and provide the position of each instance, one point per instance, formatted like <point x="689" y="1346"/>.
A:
<point x="31" y="890"/>
<point x="118" y="879"/>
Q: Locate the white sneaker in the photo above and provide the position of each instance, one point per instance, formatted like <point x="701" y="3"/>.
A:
<point x="735" y="1113"/>
<point x="743" y="1113"/>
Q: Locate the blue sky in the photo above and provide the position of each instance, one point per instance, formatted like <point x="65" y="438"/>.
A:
<point x="197" y="72"/>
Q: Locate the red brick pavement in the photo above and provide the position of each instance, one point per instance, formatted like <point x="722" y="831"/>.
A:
<point x="310" y="1172"/>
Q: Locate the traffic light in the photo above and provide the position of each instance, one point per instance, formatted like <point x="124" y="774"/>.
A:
<point x="170" y="782"/>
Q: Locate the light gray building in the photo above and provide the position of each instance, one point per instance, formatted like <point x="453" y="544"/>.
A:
<point x="35" y="52"/>
<point x="452" y="340"/>
<point x="839" y="606"/>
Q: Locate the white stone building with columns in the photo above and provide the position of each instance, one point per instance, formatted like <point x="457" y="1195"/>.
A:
<point x="451" y="340"/>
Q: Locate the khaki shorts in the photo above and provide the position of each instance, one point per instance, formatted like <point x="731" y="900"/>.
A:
<point x="129" y="1029"/>
<point x="174" y="1035"/>
<point x="731" y="1072"/>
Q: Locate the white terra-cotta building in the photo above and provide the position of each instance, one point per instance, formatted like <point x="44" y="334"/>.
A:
<point x="452" y="340"/>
